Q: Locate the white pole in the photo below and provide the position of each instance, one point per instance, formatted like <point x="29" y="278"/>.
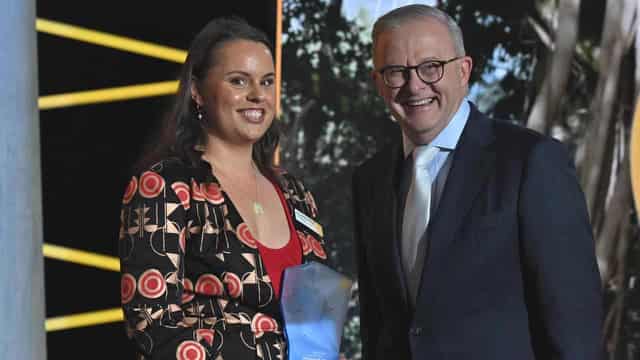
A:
<point x="22" y="334"/>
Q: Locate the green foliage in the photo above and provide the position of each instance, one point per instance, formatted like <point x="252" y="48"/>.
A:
<point x="326" y="86"/>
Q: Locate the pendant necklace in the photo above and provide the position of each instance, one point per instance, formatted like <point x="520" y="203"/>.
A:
<point x="258" y="209"/>
<point x="257" y="206"/>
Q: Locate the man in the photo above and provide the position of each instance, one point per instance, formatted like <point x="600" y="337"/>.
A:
<point x="472" y="235"/>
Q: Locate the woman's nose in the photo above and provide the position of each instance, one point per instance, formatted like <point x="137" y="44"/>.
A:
<point x="256" y="94"/>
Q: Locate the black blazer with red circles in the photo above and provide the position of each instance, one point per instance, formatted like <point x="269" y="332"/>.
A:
<point x="510" y="270"/>
<point x="193" y="283"/>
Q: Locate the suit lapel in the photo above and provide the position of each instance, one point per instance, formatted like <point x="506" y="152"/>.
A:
<point x="386" y="247"/>
<point x="472" y="163"/>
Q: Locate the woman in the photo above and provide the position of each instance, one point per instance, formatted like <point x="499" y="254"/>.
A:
<point x="208" y="229"/>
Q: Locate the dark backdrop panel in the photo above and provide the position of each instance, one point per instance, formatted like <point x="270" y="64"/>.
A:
<point x="87" y="151"/>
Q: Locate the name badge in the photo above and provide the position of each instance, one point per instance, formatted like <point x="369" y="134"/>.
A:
<point x="311" y="224"/>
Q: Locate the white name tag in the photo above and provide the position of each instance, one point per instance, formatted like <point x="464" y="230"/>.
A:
<point x="308" y="222"/>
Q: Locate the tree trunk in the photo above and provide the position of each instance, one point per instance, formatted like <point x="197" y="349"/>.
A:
<point x="617" y="216"/>
<point x="546" y="108"/>
<point x="618" y="27"/>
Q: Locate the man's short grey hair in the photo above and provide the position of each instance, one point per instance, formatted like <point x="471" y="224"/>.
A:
<point x="401" y="15"/>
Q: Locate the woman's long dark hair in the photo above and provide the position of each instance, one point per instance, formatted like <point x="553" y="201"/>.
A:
<point x="182" y="131"/>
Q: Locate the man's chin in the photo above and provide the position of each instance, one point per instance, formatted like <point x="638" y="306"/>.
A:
<point x="420" y="134"/>
<point x="419" y="126"/>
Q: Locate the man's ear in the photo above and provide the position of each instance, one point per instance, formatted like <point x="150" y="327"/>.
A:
<point x="195" y="94"/>
<point x="466" y="65"/>
<point x="377" y="81"/>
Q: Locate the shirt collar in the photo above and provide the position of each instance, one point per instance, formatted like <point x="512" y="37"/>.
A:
<point x="448" y="138"/>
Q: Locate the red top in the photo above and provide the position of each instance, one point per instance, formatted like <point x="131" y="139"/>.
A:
<point x="276" y="260"/>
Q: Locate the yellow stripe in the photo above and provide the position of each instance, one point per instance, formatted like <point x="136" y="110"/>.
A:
<point x="84" y="319"/>
<point x="278" y="54"/>
<point x="112" y="41"/>
<point x="107" y="95"/>
<point x="81" y="257"/>
<point x="276" y="154"/>
<point x="635" y="156"/>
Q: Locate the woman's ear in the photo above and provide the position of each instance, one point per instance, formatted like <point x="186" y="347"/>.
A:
<point x="195" y="94"/>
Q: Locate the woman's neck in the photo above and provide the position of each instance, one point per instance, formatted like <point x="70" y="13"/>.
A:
<point x="228" y="158"/>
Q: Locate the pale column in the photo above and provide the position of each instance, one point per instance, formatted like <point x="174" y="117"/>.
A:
<point x="22" y="334"/>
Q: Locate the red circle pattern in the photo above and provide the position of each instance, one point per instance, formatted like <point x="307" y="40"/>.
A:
<point x="234" y="285"/>
<point x="151" y="284"/>
<point x="127" y="287"/>
<point x="212" y="193"/>
<point x="130" y="191"/>
<point x="196" y="191"/>
<point x="207" y="334"/>
<point x="187" y="291"/>
<point x="151" y="184"/>
<point x="244" y="235"/>
<point x="190" y="350"/>
<point x="182" y="191"/>
<point x="262" y="323"/>
<point x="209" y="284"/>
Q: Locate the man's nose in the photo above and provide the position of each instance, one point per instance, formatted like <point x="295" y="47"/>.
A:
<point x="414" y="83"/>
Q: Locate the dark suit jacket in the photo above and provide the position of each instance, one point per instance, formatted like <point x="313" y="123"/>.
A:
<point x="510" y="271"/>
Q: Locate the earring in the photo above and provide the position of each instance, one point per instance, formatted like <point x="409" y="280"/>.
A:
<point x="199" y="112"/>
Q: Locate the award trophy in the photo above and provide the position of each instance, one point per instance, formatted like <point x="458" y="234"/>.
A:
<point x="314" y="306"/>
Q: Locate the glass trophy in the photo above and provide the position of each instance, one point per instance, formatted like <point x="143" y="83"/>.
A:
<point x="314" y="304"/>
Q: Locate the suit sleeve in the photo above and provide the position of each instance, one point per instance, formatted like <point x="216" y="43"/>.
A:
<point x="369" y="311"/>
<point x="562" y="282"/>
<point x="151" y="252"/>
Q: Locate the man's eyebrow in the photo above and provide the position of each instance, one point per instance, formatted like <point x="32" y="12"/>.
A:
<point x="424" y="60"/>
<point x="430" y="58"/>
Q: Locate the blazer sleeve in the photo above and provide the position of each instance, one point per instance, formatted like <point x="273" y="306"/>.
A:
<point x="151" y="249"/>
<point x="562" y="282"/>
<point x="369" y="310"/>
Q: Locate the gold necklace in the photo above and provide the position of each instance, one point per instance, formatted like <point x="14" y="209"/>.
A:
<point x="258" y="209"/>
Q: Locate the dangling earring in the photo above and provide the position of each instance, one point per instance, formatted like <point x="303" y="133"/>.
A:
<point x="199" y="112"/>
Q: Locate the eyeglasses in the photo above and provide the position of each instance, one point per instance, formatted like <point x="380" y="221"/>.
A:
<point x="430" y="72"/>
